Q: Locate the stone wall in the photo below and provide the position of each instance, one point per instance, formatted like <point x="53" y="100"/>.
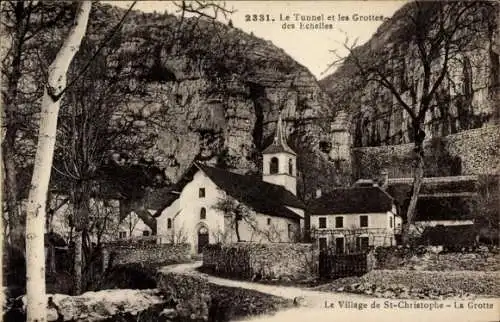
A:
<point x="276" y="261"/>
<point x="476" y="149"/>
<point x="425" y="259"/>
<point x="154" y="254"/>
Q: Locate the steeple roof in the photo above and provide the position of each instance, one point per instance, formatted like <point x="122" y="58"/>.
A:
<point x="279" y="144"/>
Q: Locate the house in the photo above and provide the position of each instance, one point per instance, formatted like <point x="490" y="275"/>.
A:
<point x="272" y="212"/>
<point x="354" y="219"/>
<point x="442" y="201"/>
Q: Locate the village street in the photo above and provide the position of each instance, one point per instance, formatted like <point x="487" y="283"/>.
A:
<point x="324" y="306"/>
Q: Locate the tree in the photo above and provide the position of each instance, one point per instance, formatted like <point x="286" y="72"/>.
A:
<point x="109" y="123"/>
<point x="234" y="211"/>
<point x="23" y="23"/>
<point x="431" y="36"/>
<point x="35" y="215"/>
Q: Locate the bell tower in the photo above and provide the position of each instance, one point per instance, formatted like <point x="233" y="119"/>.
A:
<point x="280" y="161"/>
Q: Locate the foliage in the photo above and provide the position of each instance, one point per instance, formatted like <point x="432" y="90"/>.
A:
<point x="129" y="276"/>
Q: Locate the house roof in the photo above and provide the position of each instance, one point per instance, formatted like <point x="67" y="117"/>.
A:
<point x="440" y="198"/>
<point x="353" y="200"/>
<point x="279" y="144"/>
<point x="261" y="196"/>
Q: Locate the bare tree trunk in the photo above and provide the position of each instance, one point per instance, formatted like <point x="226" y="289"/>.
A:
<point x="78" y="263"/>
<point x="16" y="222"/>
<point x="35" y="215"/>
<point x="418" y="176"/>
<point x="237" y="229"/>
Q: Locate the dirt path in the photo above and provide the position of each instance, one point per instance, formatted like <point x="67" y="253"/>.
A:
<point x="327" y="306"/>
<point x="308" y="297"/>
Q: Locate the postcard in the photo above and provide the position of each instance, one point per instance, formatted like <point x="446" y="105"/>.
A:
<point x="250" y="161"/>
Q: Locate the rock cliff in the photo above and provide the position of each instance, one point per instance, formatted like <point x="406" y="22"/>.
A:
<point x="214" y="93"/>
<point x="467" y="98"/>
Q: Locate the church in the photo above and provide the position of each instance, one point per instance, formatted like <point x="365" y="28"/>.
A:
<point x="213" y="205"/>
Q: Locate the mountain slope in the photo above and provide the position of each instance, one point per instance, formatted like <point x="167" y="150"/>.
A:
<point x="467" y="98"/>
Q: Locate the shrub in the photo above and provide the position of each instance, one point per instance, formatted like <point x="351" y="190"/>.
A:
<point x="188" y="293"/>
<point x="129" y="276"/>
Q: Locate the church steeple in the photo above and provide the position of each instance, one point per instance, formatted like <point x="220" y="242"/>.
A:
<point x="280" y="161"/>
<point x="279" y="144"/>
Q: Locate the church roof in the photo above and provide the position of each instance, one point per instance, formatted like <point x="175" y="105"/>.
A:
<point x="353" y="200"/>
<point x="279" y="144"/>
<point x="261" y="196"/>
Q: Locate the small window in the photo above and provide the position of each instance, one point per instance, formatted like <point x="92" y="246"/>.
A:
<point x="123" y="234"/>
<point x="339" y="244"/>
<point x="145" y="233"/>
<point x="201" y="193"/>
<point x="268" y="221"/>
<point x="339" y="222"/>
<point x="322" y="222"/>
<point x="390" y="221"/>
<point x="203" y="213"/>
<point x="363" y="243"/>
<point x="169" y="223"/>
<point x="274" y="165"/>
<point x="323" y="243"/>
<point x="363" y="221"/>
<point x="290" y="167"/>
<point x="290" y="230"/>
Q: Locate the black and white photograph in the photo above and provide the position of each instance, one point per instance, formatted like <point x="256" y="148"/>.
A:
<point x="260" y="161"/>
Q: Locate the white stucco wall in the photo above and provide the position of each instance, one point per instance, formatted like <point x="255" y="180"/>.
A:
<point x="262" y="228"/>
<point x="379" y="230"/>
<point x="133" y="226"/>
<point x="283" y="178"/>
<point x="185" y="217"/>
<point x="185" y="213"/>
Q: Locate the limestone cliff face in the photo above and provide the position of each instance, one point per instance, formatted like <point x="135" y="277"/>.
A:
<point x="467" y="99"/>
<point x="214" y="93"/>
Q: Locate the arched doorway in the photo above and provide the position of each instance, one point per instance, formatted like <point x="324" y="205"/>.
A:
<point x="202" y="238"/>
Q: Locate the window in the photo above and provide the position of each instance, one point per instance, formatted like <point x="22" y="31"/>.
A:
<point x="390" y="221"/>
<point x="201" y="193"/>
<point x="339" y="222"/>
<point x="323" y="243"/>
<point x="123" y="234"/>
<point x="339" y="244"/>
<point x="203" y="213"/>
<point x="363" y="221"/>
<point x="290" y="231"/>
<point x="169" y="223"/>
<point x="145" y="233"/>
<point x="274" y="165"/>
<point x="268" y="221"/>
<point x="362" y="243"/>
<point x="322" y="222"/>
<point x="290" y="167"/>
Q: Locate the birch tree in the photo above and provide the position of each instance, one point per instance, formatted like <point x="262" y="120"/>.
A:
<point x="23" y="23"/>
<point x="35" y="215"/>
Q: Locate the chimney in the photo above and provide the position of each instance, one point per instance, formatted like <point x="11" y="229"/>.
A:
<point x="318" y="193"/>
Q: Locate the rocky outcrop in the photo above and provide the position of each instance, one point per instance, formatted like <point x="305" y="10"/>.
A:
<point x="214" y="93"/>
<point x="467" y="98"/>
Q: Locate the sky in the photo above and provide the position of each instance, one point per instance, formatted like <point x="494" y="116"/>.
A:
<point x="311" y="48"/>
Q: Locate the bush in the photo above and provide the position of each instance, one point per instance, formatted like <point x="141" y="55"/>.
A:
<point x="188" y="293"/>
<point x="128" y="276"/>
